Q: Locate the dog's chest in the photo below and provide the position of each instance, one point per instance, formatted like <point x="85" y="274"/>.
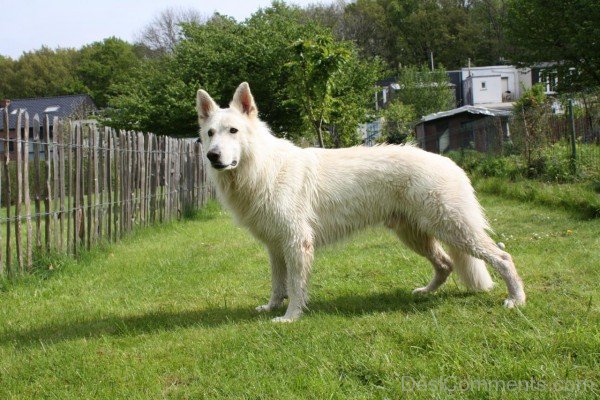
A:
<point x="261" y="213"/>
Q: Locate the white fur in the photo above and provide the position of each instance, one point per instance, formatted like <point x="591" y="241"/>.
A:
<point x="294" y="200"/>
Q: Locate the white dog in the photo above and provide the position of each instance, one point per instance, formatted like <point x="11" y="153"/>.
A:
<point x="294" y="200"/>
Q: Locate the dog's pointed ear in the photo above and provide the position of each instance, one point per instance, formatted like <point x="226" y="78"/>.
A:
<point x="243" y="100"/>
<point x="205" y="105"/>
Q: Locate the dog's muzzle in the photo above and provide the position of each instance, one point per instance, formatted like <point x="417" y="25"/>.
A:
<point x="219" y="166"/>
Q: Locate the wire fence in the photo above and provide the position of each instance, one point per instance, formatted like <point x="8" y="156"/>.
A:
<point x="67" y="186"/>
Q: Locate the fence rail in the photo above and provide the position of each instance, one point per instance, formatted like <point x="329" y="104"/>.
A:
<point x="66" y="186"/>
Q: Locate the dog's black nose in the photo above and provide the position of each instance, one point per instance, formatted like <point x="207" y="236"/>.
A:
<point x="214" y="156"/>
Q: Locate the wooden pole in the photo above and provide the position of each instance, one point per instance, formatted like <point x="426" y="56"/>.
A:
<point x="19" y="188"/>
<point x="96" y="202"/>
<point x="62" y="183"/>
<point x="8" y="194"/>
<point x="48" y="197"/>
<point x="76" y="210"/>
<point x="122" y="196"/>
<point x="109" y="182"/>
<point x="29" y="252"/>
<point x="55" y="187"/>
<point x="71" y="137"/>
<point x="37" y="180"/>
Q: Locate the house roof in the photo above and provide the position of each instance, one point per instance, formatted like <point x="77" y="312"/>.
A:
<point x="492" y="112"/>
<point x="484" y="76"/>
<point x="58" y="106"/>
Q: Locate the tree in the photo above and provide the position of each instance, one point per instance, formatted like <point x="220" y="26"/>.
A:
<point x="312" y="69"/>
<point x="43" y="72"/>
<point x="489" y="18"/>
<point x="164" y="32"/>
<point x="7" y="72"/>
<point x="531" y="112"/>
<point x="103" y="64"/>
<point x="426" y="91"/>
<point x="220" y="54"/>
<point x="154" y="98"/>
<point x="398" y="122"/>
<point x="564" y="33"/>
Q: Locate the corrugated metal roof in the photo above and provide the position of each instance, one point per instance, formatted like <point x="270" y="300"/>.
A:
<point x="58" y="106"/>
<point x="492" y="112"/>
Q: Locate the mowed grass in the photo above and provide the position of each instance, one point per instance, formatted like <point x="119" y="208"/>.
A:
<point x="169" y="313"/>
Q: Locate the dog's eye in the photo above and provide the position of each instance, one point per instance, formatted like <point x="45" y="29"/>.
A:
<point x="233" y="130"/>
<point x="211" y="132"/>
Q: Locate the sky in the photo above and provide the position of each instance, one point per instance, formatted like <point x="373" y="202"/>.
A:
<point x="28" y="24"/>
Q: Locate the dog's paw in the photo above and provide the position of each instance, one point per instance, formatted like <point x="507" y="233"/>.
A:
<point x="512" y="303"/>
<point x="284" y="320"/>
<point x="421" y="290"/>
<point x="269" y="306"/>
<point x="264" y="308"/>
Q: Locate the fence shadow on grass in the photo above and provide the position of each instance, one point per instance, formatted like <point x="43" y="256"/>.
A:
<point x="400" y="300"/>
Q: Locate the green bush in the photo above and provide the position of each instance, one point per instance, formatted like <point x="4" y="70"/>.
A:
<point x="552" y="164"/>
<point x="477" y="163"/>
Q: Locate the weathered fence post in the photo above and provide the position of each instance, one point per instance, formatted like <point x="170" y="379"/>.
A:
<point x="37" y="180"/>
<point x="29" y="251"/>
<point x="48" y="197"/>
<point x="8" y="194"/>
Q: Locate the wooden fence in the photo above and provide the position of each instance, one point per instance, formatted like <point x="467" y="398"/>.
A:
<point x="66" y="186"/>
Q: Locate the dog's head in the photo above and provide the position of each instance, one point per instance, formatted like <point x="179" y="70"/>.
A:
<point x="224" y="130"/>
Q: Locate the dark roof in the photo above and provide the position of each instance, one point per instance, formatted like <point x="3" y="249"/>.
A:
<point x="480" y="110"/>
<point x="78" y="105"/>
<point x="388" y="81"/>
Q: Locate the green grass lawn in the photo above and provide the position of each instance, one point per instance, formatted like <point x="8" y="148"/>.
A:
<point x="169" y="313"/>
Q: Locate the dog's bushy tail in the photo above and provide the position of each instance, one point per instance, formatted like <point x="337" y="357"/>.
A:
<point x="471" y="271"/>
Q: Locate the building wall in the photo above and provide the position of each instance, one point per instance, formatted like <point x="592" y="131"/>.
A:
<point x="514" y="77"/>
<point x="525" y="79"/>
<point x="487" y="89"/>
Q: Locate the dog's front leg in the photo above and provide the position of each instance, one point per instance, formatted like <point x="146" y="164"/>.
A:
<point x="278" y="280"/>
<point x="298" y="258"/>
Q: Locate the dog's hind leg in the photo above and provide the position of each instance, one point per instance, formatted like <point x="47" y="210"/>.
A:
<point x="278" y="280"/>
<point x="426" y="246"/>
<point x="502" y="262"/>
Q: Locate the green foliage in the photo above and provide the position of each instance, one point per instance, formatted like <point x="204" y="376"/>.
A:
<point x="7" y="72"/>
<point x="103" y="64"/>
<point x="553" y="164"/>
<point x="533" y="98"/>
<point x="560" y="32"/>
<point x="427" y="91"/>
<point x="329" y="84"/>
<point x="221" y="53"/>
<point x="398" y="123"/>
<point x="352" y="94"/>
<point x="312" y="68"/>
<point x="154" y="98"/>
<point x="46" y="72"/>
<point x="43" y="72"/>
<point x="480" y="164"/>
<point x="406" y="32"/>
<point x="529" y="135"/>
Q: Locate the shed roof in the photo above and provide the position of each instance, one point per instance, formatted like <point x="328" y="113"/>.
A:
<point x="492" y="112"/>
<point x="58" y="106"/>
